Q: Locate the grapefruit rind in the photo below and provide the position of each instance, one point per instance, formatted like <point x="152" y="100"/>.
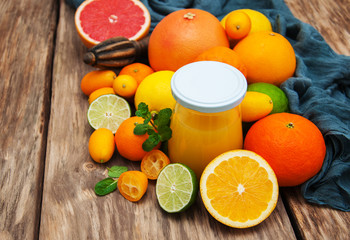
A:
<point x="90" y="42"/>
<point x="207" y="201"/>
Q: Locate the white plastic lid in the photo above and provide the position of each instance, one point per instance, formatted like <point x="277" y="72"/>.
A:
<point x="208" y="86"/>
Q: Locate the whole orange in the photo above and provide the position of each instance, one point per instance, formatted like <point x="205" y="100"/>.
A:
<point x="291" y="144"/>
<point x="125" y="86"/>
<point x="225" y="55"/>
<point x="238" y="25"/>
<point x="269" y="57"/>
<point x="137" y="70"/>
<point x="128" y="144"/>
<point x="181" y="36"/>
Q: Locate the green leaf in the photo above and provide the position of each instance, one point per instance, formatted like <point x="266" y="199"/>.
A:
<point x="165" y="133"/>
<point x="151" y="142"/>
<point x="141" y="128"/>
<point x="151" y="131"/>
<point x="163" y="118"/>
<point x="142" y="110"/>
<point x="116" y="171"/>
<point x="156" y="125"/>
<point x="147" y="120"/>
<point x="105" y="186"/>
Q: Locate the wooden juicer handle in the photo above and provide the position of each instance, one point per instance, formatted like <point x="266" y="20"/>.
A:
<point x="116" y="52"/>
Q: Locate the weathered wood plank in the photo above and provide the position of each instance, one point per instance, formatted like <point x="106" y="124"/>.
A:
<point x="331" y="19"/>
<point x="314" y="221"/>
<point x="27" y="30"/>
<point x="71" y="210"/>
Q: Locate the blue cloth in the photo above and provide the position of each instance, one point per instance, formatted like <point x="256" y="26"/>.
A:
<point x="319" y="90"/>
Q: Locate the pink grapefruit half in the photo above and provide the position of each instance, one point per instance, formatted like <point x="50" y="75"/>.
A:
<point x="99" y="20"/>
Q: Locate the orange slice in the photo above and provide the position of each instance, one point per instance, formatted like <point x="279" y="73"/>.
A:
<point x="99" y="20"/>
<point x="239" y="188"/>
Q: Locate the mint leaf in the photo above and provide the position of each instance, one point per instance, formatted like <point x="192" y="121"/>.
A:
<point x="151" y="142"/>
<point x="165" y="133"/>
<point x="147" y="120"/>
<point x="141" y="128"/>
<point x="151" y="132"/>
<point x="142" y="110"/>
<point x="163" y="117"/>
<point x="105" y="186"/>
<point x="116" y="171"/>
<point x="155" y="124"/>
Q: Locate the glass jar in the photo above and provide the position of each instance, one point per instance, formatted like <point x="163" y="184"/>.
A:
<point x="207" y="117"/>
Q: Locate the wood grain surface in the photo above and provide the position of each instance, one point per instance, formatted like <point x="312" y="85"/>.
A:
<point x="27" y="31"/>
<point x="330" y="18"/>
<point x="316" y="222"/>
<point x="46" y="174"/>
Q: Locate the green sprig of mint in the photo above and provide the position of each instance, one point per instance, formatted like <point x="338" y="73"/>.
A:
<point x="109" y="184"/>
<point x="156" y="125"/>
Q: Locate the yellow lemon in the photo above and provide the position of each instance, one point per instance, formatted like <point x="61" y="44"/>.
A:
<point x="279" y="98"/>
<point x="259" y="22"/>
<point x="155" y="91"/>
<point x="101" y="145"/>
<point x="255" y="105"/>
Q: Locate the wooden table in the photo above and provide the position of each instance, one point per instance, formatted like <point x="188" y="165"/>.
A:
<point x="46" y="174"/>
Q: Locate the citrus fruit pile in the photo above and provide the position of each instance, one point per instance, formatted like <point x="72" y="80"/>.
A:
<point x="263" y="99"/>
<point x="248" y="44"/>
<point x="111" y="97"/>
<point x="239" y="188"/>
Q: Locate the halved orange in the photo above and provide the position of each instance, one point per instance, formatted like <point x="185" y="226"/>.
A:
<point x="153" y="162"/>
<point x="99" y="20"/>
<point x="239" y="188"/>
<point x="132" y="185"/>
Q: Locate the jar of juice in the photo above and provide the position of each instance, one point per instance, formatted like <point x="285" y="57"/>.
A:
<point x="207" y="116"/>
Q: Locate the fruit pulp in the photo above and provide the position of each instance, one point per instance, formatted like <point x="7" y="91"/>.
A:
<point x="200" y="137"/>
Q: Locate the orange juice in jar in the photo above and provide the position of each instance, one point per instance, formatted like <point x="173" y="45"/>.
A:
<point x="207" y="115"/>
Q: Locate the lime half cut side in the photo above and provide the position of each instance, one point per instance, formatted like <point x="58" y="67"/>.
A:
<point x="176" y="188"/>
<point x="108" y="111"/>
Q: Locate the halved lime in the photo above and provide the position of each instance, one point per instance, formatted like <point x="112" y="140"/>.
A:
<point x="108" y="111"/>
<point x="176" y="188"/>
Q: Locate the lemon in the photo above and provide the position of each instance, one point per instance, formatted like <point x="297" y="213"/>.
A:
<point x="259" y="22"/>
<point x="279" y="98"/>
<point x="155" y="91"/>
<point x="255" y="106"/>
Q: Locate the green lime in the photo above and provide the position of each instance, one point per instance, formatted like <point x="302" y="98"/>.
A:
<point x="108" y="111"/>
<point x="279" y="98"/>
<point x="176" y="188"/>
